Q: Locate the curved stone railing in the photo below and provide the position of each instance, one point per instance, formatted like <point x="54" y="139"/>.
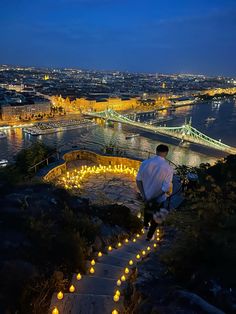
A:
<point x="105" y="160"/>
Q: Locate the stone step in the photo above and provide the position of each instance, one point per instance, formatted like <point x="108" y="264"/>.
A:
<point x="94" y="293"/>
<point x="135" y="247"/>
<point x="121" y="253"/>
<point x="73" y="303"/>
<point x="114" y="260"/>
<point x="107" y="270"/>
<point x="94" y="285"/>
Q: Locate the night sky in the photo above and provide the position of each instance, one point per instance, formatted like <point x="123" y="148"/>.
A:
<point x="168" y="36"/>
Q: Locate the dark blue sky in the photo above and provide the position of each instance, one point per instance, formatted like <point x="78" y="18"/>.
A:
<point x="168" y="36"/>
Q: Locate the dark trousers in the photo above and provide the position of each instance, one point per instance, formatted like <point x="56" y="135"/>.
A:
<point x="149" y="210"/>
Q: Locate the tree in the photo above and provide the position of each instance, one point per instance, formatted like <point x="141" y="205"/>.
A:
<point x="28" y="157"/>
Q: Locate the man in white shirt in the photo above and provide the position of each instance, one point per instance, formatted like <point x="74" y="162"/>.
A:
<point x="154" y="180"/>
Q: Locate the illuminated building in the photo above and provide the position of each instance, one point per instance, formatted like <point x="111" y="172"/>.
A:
<point x="19" y="111"/>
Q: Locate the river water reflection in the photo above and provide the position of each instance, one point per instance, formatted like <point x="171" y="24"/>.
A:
<point x="221" y="125"/>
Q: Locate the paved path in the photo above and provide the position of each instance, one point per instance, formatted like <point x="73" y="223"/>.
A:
<point x="94" y="293"/>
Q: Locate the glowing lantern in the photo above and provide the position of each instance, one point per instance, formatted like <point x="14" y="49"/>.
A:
<point x="138" y="256"/>
<point x="118" y="282"/>
<point x="126" y="270"/>
<point x="92" y="270"/>
<point x="93" y="262"/>
<point x="131" y="262"/>
<point x="72" y="288"/>
<point x="99" y="254"/>
<point x="123" y="278"/>
<point x="78" y="277"/>
<point x="60" y="295"/>
<point x="55" y="311"/>
<point x="109" y="248"/>
<point x="143" y="252"/>
<point x="116" y="298"/>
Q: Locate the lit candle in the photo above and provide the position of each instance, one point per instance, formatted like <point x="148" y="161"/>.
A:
<point x="109" y="248"/>
<point x="116" y="298"/>
<point x="118" y="282"/>
<point x="115" y="312"/>
<point x="93" y="262"/>
<point x="78" y="277"/>
<point x="154" y="245"/>
<point x="117" y="292"/>
<point x="131" y="262"/>
<point x="72" y="288"/>
<point x="148" y="248"/>
<point x="55" y="311"/>
<point x="119" y="244"/>
<point x="143" y="252"/>
<point x="134" y="240"/>
<point x="99" y="254"/>
<point x="123" y="278"/>
<point x="126" y="270"/>
<point x="92" y="270"/>
<point x="138" y="256"/>
<point x="60" y="295"/>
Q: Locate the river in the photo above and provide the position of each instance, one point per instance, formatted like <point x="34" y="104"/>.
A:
<point x="222" y="126"/>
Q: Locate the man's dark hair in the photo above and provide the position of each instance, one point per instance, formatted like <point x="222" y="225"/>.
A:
<point x="162" y="149"/>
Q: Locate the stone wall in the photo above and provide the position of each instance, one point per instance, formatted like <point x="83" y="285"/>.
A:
<point x="54" y="172"/>
<point x="90" y="156"/>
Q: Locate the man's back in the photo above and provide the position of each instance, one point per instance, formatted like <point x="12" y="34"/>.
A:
<point x="156" y="176"/>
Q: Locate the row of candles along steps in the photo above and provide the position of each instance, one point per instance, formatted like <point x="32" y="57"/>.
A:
<point x="116" y="297"/>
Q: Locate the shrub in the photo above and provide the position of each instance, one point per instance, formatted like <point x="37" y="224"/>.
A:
<point x="206" y="237"/>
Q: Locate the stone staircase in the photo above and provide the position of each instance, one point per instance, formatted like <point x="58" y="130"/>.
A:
<point x="100" y="291"/>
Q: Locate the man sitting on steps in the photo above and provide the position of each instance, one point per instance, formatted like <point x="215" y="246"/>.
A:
<point x="154" y="180"/>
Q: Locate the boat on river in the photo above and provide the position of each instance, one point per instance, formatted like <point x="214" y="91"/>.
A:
<point x="130" y="136"/>
<point x="210" y="119"/>
<point x="54" y="127"/>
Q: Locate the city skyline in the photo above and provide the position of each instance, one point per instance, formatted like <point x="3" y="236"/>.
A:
<point x="170" y="37"/>
<point x="77" y="68"/>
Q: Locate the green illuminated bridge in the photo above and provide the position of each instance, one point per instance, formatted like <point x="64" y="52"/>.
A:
<point x="185" y="132"/>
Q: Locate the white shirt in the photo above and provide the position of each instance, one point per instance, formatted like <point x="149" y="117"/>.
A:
<point x="156" y="175"/>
